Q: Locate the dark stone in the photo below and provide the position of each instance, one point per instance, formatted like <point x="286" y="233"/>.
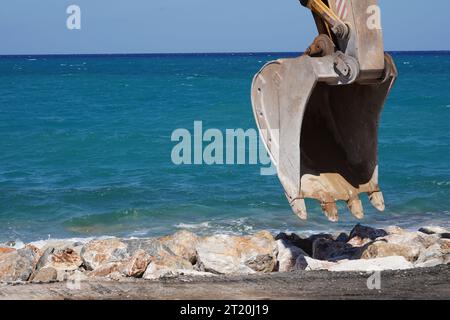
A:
<point x="445" y="235"/>
<point x="343" y="237"/>
<point x="365" y="232"/>
<point x="297" y="241"/>
<point x="426" y="231"/>
<point x="331" y="250"/>
<point x="315" y="237"/>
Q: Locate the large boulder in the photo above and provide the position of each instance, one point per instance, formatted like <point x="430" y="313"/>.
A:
<point x="394" y="230"/>
<point x="445" y="246"/>
<point x="108" y="269"/>
<point x="224" y="254"/>
<point x="381" y="249"/>
<point x="4" y="250"/>
<point x="287" y="255"/>
<point x="309" y="264"/>
<point x="364" y="232"/>
<point x="418" y="240"/>
<point x="433" y="230"/>
<point x="165" y="266"/>
<point x="183" y="244"/>
<point x="60" y="259"/>
<point x="116" y="258"/>
<point x="293" y="239"/>
<point x="99" y="252"/>
<point x="342" y="237"/>
<point x="59" y="245"/>
<point x="359" y="242"/>
<point x="137" y="264"/>
<point x="45" y="275"/>
<point x="17" y="265"/>
<point x="434" y="255"/>
<point x="63" y="261"/>
<point x="155" y="272"/>
<point x="332" y="250"/>
<point x="152" y="247"/>
<point x="162" y="254"/>
<point x="379" y="264"/>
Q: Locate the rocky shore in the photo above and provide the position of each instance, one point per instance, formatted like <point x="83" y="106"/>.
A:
<point x="185" y="254"/>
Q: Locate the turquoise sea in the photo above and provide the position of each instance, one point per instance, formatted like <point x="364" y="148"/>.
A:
<point x="85" y="148"/>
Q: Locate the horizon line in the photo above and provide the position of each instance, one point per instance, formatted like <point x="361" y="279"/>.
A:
<point x="196" y="53"/>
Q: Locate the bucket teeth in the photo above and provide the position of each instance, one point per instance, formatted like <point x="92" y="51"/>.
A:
<point x="356" y="208"/>
<point x="330" y="210"/>
<point x="299" y="207"/>
<point x="377" y="200"/>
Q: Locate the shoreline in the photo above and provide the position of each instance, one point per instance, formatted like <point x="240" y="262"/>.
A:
<point x="40" y="242"/>
<point x="185" y="263"/>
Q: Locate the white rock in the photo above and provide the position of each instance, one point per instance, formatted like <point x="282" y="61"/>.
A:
<point x="430" y="263"/>
<point x="381" y="249"/>
<point x="379" y="264"/>
<point x="395" y="230"/>
<point x="432" y="256"/>
<point x="415" y="239"/>
<point x="309" y="264"/>
<point x="287" y="256"/>
<point x="194" y="273"/>
<point x="155" y="271"/>
<point x="224" y="254"/>
<point x="433" y="230"/>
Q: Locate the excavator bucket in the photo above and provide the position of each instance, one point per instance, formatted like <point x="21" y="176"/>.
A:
<point x="318" y="114"/>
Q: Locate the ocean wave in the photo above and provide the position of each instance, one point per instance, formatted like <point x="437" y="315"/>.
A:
<point x="229" y="226"/>
<point x="19" y="244"/>
<point x="192" y="225"/>
<point x="441" y="183"/>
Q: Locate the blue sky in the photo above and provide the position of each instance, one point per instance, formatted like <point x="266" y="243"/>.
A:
<point x="160" y="26"/>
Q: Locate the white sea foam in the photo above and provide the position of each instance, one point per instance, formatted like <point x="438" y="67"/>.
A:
<point x="42" y="243"/>
<point x="231" y="227"/>
<point x="192" y="225"/>
<point x="16" y="245"/>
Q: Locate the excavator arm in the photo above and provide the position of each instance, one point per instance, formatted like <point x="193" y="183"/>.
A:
<point x="318" y="114"/>
<point x="327" y="15"/>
